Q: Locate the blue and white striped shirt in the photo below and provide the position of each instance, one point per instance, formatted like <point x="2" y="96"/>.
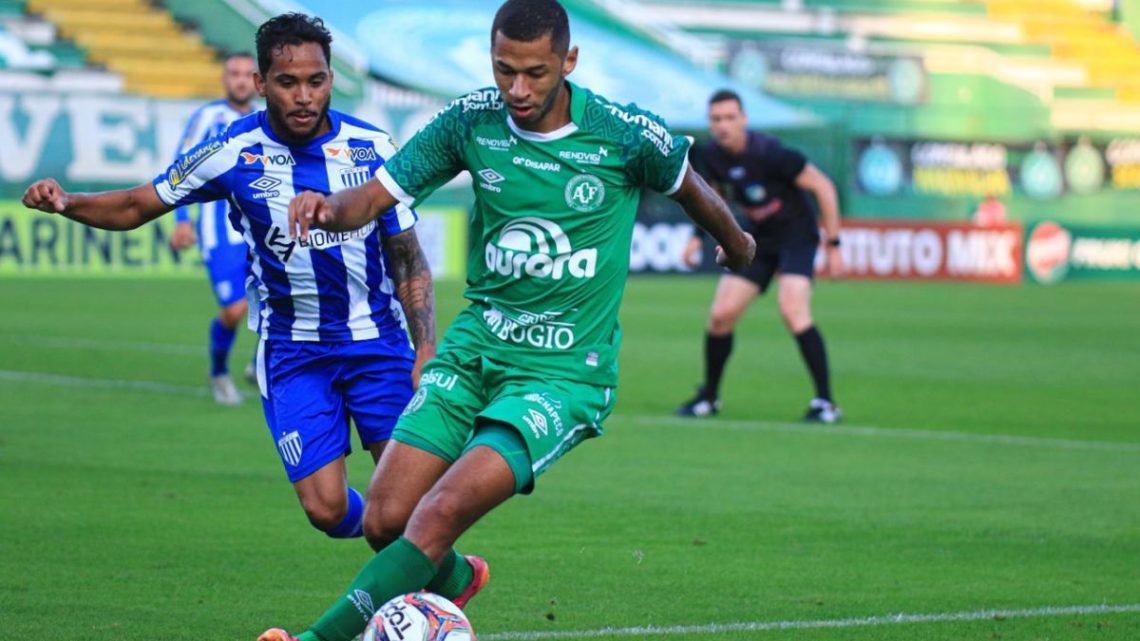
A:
<point x="335" y="287"/>
<point x="214" y="227"/>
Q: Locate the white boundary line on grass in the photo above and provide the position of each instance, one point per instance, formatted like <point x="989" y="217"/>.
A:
<point x="761" y="626"/>
<point x="71" y="342"/>
<point x="102" y="383"/>
<point x="890" y="432"/>
<point x="641" y="419"/>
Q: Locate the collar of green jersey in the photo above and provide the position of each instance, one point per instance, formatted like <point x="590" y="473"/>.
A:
<point x="577" y="110"/>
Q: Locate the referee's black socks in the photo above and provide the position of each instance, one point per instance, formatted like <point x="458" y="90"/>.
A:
<point x="815" y="356"/>
<point x="717" y="349"/>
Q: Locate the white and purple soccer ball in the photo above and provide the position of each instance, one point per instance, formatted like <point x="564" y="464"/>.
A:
<point x="419" y="616"/>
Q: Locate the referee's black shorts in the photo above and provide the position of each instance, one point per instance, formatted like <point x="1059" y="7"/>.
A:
<point x="790" y="250"/>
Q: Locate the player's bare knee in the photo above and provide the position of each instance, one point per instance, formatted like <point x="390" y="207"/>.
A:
<point x="324" y="514"/>
<point x="383" y="524"/>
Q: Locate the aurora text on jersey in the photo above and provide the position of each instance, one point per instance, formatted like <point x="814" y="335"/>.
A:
<point x="333" y="288"/>
<point x="552" y="225"/>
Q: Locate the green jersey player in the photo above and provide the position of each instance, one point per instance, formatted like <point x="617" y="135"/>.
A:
<point x="527" y="371"/>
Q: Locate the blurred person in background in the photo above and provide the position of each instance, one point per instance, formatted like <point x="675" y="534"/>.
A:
<point x="770" y="184"/>
<point x="220" y="244"/>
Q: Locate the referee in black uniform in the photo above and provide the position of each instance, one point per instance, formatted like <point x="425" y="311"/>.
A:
<point x="769" y="183"/>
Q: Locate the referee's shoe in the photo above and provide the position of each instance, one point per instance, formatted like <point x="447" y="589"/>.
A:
<point x="822" y="411"/>
<point x="700" y="405"/>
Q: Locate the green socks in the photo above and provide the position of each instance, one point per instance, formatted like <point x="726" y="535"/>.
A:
<point x="453" y="577"/>
<point x="397" y="569"/>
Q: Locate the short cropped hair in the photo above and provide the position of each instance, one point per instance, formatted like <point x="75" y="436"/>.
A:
<point x="529" y="20"/>
<point x="723" y="95"/>
<point x="290" y="29"/>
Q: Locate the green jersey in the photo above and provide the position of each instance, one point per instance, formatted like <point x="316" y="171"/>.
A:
<point x="552" y="224"/>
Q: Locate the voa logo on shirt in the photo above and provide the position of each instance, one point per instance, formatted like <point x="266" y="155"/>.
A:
<point x="538" y="248"/>
<point x="267" y="160"/>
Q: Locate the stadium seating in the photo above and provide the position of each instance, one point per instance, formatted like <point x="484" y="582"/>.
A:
<point x="1067" y="56"/>
<point x="133" y="38"/>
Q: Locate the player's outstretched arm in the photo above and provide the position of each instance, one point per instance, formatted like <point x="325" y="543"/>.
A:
<point x="115" y="210"/>
<point x="710" y="212"/>
<point x="412" y="274"/>
<point x="343" y="211"/>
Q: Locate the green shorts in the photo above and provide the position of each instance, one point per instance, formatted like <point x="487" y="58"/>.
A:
<point x="457" y="396"/>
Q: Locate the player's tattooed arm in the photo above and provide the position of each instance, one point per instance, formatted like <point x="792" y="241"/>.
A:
<point x="412" y="275"/>
<point x="710" y="212"/>
<point x="119" y="210"/>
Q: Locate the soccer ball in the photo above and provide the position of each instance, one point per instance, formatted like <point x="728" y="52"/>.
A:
<point x="419" y="616"/>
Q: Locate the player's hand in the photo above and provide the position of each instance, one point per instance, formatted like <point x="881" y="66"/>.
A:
<point x="833" y="262"/>
<point x="307" y="209"/>
<point x="692" y="253"/>
<point x="183" y="237"/>
<point x="741" y="258"/>
<point x="46" y="195"/>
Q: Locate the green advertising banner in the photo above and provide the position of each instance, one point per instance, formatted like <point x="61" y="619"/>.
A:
<point x="1033" y="169"/>
<point x="38" y="244"/>
<point x="797" y="71"/>
<point x="1055" y="252"/>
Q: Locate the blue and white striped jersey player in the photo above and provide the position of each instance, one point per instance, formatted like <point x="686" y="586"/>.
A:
<point x="335" y="312"/>
<point x="221" y="246"/>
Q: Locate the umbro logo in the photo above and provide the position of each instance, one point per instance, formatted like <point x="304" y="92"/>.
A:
<point x="265" y="187"/>
<point x="491" y="176"/>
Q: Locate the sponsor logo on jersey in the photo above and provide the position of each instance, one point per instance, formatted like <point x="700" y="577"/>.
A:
<point x="585" y="157"/>
<point x="265" y="160"/>
<point x="489" y="178"/>
<point x="522" y="161"/>
<point x="355" y="154"/>
<point x="535" y="330"/>
<point x="538" y="248"/>
<point x="652" y="130"/>
<point x="188" y="163"/>
<point x="585" y="193"/>
<point x="479" y="100"/>
<point x="355" y="176"/>
<point x="279" y="243"/>
<point x="265" y="186"/>
<point x="497" y="144"/>
<point x="290" y="447"/>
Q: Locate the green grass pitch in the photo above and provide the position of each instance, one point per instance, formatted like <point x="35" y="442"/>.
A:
<point x="989" y="460"/>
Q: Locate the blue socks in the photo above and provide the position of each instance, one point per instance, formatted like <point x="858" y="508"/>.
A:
<point x="352" y="525"/>
<point x="221" y="340"/>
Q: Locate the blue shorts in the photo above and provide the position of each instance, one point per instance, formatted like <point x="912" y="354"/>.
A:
<point x="227" y="268"/>
<point x="310" y="391"/>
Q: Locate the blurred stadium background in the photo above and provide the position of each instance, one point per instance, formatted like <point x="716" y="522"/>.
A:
<point x="990" y="380"/>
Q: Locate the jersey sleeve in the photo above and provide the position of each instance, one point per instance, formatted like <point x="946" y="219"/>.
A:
<point x="786" y="163"/>
<point x="661" y="158"/>
<point x="199" y="175"/>
<point x="401" y="217"/>
<point x="194" y="134"/>
<point x="430" y="159"/>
